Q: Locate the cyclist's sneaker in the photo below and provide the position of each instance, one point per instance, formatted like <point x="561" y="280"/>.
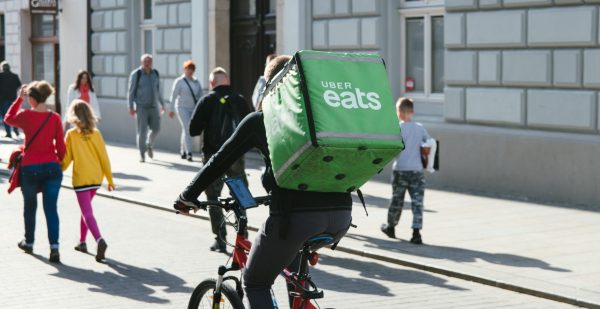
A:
<point x="101" y="250"/>
<point x="416" y="238"/>
<point x="183" y="205"/>
<point x="25" y="247"/>
<point x="54" y="256"/>
<point x="219" y="246"/>
<point x="81" y="247"/>
<point x="388" y="230"/>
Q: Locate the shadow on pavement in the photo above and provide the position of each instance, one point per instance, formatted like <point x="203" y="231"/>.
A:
<point x="129" y="176"/>
<point x="453" y="254"/>
<point x="129" y="281"/>
<point x="381" y="202"/>
<point x="177" y="166"/>
<point x="371" y="270"/>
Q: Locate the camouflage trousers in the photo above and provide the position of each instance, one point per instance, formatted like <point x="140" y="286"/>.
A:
<point x="213" y="192"/>
<point x="414" y="182"/>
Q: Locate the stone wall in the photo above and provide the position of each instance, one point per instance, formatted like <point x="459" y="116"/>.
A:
<point x="523" y="63"/>
<point x="348" y="25"/>
<point x="116" y="50"/>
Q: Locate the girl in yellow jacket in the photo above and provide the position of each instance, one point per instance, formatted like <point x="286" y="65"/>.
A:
<point x="86" y="148"/>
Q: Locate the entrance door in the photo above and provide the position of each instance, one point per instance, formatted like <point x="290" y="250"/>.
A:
<point x="44" y="43"/>
<point x="252" y="38"/>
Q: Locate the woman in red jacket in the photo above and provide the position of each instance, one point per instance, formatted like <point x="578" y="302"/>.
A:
<point x="40" y="166"/>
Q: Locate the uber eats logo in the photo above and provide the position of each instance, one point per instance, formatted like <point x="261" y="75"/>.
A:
<point x="344" y="95"/>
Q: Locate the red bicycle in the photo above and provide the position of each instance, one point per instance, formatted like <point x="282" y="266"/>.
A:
<point x="217" y="293"/>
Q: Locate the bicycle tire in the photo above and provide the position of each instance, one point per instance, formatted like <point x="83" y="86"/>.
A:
<point x="202" y="296"/>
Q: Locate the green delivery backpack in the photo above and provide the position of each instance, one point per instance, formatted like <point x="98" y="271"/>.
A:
<point x="330" y="121"/>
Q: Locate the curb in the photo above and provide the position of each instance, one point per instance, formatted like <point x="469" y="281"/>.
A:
<point x="398" y="261"/>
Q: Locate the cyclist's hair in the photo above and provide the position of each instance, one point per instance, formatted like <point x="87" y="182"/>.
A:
<point x="275" y="66"/>
<point x="80" y="114"/>
<point x="40" y="90"/>
<point x="405" y="104"/>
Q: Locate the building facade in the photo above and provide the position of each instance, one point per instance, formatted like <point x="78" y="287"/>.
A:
<point x="510" y="88"/>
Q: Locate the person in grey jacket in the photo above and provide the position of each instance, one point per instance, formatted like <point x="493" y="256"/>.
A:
<point x="185" y="94"/>
<point x="144" y="97"/>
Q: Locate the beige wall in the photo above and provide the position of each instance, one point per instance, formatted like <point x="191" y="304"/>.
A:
<point x="73" y="43"/>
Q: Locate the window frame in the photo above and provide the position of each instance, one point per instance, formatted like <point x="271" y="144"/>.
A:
<point x="417" y="10"/>
<point x="147" y="25"/>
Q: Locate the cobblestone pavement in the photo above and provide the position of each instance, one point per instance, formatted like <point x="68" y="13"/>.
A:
<point x="155" y="259"/>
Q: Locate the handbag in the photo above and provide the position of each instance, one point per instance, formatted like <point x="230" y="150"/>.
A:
<point x="16" y="157"/>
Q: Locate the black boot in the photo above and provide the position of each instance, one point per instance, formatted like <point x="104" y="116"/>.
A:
<point x="388" y="230"/>
<point x="416" y="237"/>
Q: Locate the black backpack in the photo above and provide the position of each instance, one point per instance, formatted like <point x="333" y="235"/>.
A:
<point x="223" y="122"/>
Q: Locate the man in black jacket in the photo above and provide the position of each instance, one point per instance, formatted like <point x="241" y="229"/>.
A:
<point x="217" y="114"/>
<point x="9" y="84"/>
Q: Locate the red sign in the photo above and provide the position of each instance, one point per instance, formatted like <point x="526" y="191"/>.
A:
<point x="409" y="84"/>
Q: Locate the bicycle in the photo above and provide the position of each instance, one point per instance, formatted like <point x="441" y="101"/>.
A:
<point x="217" y="294"/>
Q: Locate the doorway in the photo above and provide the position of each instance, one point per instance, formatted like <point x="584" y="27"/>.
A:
<point x="252" y="38"/>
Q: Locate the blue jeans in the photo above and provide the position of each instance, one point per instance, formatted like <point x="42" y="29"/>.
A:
<point x="46" y="177"/>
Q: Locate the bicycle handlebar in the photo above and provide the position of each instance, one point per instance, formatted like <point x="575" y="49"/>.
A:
<point x="227" y="203"/>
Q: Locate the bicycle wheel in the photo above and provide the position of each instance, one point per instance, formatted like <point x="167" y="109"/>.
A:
<point x="202" y="297"/>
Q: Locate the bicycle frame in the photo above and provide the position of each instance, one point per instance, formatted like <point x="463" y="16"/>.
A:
<point x="304" y="288"/>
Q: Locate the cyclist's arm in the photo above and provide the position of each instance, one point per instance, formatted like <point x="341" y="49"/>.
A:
<point x="249" y="134"/>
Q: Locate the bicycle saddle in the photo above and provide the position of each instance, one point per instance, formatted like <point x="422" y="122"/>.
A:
<point x="320" y="239"/>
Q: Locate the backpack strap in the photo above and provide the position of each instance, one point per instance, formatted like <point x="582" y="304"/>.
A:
<point x="362" y="200"/>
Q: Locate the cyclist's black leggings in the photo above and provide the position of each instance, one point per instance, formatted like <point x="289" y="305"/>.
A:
<point x="270" y="254"/>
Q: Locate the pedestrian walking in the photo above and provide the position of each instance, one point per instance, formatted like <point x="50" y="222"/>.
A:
<point x="144" y="98"/>
<point x="87" y="151"/>
<point x="217" y="115"/>
<point x="408" y="173"/>
<point x="261" y="83"/>
<point x="82" y="89"/>
<point x="9" y="87"/>
<point x="185" y="94"/>
<point x="40" y="165"/>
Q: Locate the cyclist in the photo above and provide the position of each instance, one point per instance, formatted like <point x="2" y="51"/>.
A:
<point x="294" y="216"/>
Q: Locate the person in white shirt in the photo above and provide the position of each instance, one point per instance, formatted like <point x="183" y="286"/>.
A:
<point x="185" y="94"/>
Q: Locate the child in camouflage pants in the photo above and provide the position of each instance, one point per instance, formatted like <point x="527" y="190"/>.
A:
<point x="408" y="173"/>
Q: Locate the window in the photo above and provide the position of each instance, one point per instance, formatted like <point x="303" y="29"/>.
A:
<point x="44" y="52"/>
<point x="415" y="60"/>
<point x="147" y="10"/>
<point x="148" y="47"/>
<point x="422" y="45"/>
<point x="147" y="27"/>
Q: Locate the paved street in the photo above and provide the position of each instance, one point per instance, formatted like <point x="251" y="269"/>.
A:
<point x="155" y="259"/>
<point x="542" y="248"/>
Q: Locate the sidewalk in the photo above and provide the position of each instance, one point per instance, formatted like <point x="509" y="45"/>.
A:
<point x="156" y="258"/>
<point x="546" y="251"/>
